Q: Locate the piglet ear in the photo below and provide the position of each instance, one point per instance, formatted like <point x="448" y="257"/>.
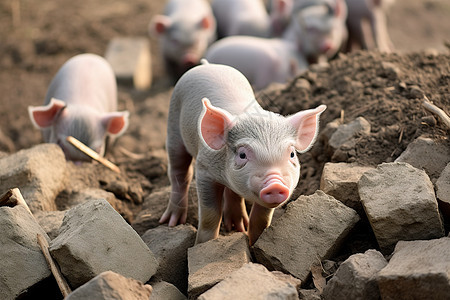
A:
<point x="307" y="124"/>
<point x="44" y="116"/>
<point x="206" y="22"/>
<point x="214" y="124"/>
<point x="115" y="122"/>
<point x="159" y="25"/>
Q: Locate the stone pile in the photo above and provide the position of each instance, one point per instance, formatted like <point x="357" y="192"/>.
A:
<point x="404" y="204"/>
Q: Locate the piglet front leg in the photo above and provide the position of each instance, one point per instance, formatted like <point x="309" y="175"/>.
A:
<point x="260" y="218"/>
<point x="234" y="212"/>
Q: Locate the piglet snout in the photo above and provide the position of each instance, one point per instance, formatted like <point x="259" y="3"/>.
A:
<point x="190" y="60"/>
<point x="274" y="192"/>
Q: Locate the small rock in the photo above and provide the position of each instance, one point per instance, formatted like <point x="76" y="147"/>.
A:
<point x="38" y="172"/>
<point x="389" y="70"/>
<point x="340" y="180"/>
<point x="425" y="153"/>
<point x="253" y="281"/>
<point x="166" y="291"/>
<point x="346" y="132"/>
<point x="22" y="265"/>
<point x="429" y="120"/>
<point x="212" y="261"/>
<point x="170" y="245"/>
<point x="400" y="204"/>
<point x="356" y="277"/>
<point x="312" y="228"/>
<point x="94" y="238"/>
<point x="415" y="92"/>
<point x="417" y="270"/>
<point x="50" y="221"/>
<point x="109" y="285"/>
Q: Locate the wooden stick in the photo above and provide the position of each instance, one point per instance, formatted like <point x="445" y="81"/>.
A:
<point x="436" y="110"/>
<point x="18" y="196"/>
<point x="6" y="199"/>
<point x="92" y="154"/>
<point x="60" y="280"/>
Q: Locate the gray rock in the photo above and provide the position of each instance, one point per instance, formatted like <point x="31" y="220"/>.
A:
<point x="50" y="221"/>
<point x="109" y="285"/>
<point x="345" y="133"/>
<point x="417" y="270"/>
<point x="94" y="238"/>
<point x="164" y="291"/>
<point x="356" y="277"/>
<point x="38" y="172"/>
<point x="443" y="191"/>
<point x="400" y="204"/>
<point x="312" y="228"/>
<point x="340" y="180"/>
<point x="425" y="153"/>
<point x="22" y="265"/>
<point x="170" y="245"/>
<point x="253" y="281"/>
<point x="212" y="261"/>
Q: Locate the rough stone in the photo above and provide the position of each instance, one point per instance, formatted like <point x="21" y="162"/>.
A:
<point x="109" y="285"/>
<point x="356" y="277"/>
<point x="400" y="204"/>
<point x="50" y="221"/>
<point x="346" y="132"/>
<point x="443" y="191"/>
<point x="340" y="180"/>
<point x="94" y="238"/>
<point x="163" y="291"/>
<point x="130" y="58"/>
<point x="253" y="281"/>
<point x="212" y="261"/>
<point x="169" y="245"/>
<point x="417" y="270"/>
<point x="22" y="265"/>
<point x="38" y="172"/>
<point x="425" y="153"/>
<point x="312" y="228"/>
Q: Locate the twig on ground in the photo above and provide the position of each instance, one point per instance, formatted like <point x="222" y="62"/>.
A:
<point x="92" y="154"/>
<point x="60" y="280"/>
<point x="436" y="110"/>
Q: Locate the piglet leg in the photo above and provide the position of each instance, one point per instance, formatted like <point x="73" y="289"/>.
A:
<point x="260" y="218"/>
<point x="234" y="212"/>
<point x="180" y="175"/>
<point x="210" y="196"/>
<point x="380" y="31"/>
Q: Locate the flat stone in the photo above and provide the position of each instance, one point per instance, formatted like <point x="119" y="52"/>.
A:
<point x="400" y="204"/>
<point x="253" y="281"/>
<point x="170" y="246"/>
<point x="356" y="277"/>
<point x="164" y="291"/>
<point x="417" y="270"/>
<point x="94" y="238"/>
<point x="212" y="261"/>
<point x="38" y="172"/>
<point x="109" y="285"/>
<point x="22" y="265"/>
<point x="312" y="228"/>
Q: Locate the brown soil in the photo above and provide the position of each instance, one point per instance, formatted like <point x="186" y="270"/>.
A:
<point x="385" y="89"/>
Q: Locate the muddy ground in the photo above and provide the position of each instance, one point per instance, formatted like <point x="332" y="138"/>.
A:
<point x="37" y="37"/>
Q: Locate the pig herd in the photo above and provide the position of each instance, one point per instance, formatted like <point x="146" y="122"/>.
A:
<point x="218" y="52"/>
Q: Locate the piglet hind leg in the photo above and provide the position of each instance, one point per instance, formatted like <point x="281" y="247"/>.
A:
<point x="260" y="218"/>
<point x="234" y="212"/>
<point x="210" y="196"/>
<point x="180" y="176"/>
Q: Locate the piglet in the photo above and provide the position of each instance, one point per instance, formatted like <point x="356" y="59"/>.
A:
<point x="81" y="101"/>
<point x="241" y="17"/>
<point x="373" y="11"/>
<point x="318" y="27"/>
<point x="240" y="150"/>
<point x="261" y="60"/>
<point x="185" y="31"/>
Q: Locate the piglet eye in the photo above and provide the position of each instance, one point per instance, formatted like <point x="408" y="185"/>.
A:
<point x="242" y="155"/>
<point x="292" y="154"/>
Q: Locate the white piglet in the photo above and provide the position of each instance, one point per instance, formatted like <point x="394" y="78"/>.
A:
<point x="185" y="31"/>
<point x="240" y="150"/>
<point x="81" y="101"/>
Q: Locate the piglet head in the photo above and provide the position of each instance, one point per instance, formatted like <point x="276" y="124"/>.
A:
<point x="261" y="161"/>
<point x="57" y="121"/>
